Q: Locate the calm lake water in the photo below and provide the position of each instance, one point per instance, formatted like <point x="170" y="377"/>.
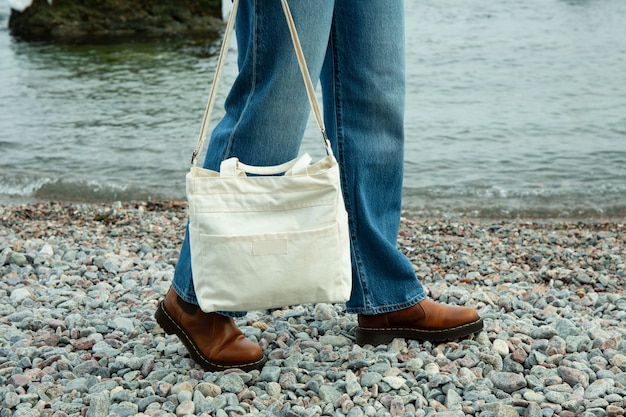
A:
<point x="514" y="109"/>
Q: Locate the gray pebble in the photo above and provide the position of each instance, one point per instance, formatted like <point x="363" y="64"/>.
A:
<point x="209" y="389"/>
<point x="11" y="399"/>
<point x="123" y="324"/>
<point x="335" y="341"/>
<point x="231" y="383"/>
<point x="507" y="381"/>
<point x="370" y="378"/>
<point x="565" y="328"/>
<point x="124" y="409"/>
<point x="324" y="312"/>
<point x="599" y="388"/>
<point x="270" y="373"/>
<point x="104" y="348"/>
<point x="18" y="295"/>
<point x="99" y="405"/>
<point x="110" y="266"/>
<point x="453" y="400"/>
<point x="329" y="394"/>
<point x="26" y="412"/>
<point x="555" y="397"/>
<point x="185" y="408"/>
<point x="18" y="259"/>
<point x="543" y="332"/>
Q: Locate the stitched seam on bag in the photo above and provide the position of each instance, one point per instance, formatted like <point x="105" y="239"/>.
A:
<point x="297" y="235"/>
<point x="263" y="208"/>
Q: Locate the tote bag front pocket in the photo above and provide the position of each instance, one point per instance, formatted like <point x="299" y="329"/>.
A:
<point x="286" y="268"/>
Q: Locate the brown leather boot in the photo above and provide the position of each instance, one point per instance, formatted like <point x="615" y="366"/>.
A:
<point x="213" y="340"/>
<point x="426" y="320"/>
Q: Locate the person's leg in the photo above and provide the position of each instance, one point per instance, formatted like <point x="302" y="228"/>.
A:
<point x="363" y="87"/>
<point x="266" y="114"/>
<point x="364" y="92"/>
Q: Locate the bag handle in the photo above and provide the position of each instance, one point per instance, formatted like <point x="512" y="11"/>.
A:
<point x="232" y="167"/>
<point x="310" y="90"/>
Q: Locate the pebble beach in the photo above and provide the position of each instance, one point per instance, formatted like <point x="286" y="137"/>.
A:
<point x="81" y="282"/>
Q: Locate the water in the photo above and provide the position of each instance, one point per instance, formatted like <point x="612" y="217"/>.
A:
<point x="514" y="109"/>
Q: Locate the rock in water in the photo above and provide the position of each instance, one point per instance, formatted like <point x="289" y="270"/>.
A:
<point x="111" y="20"/>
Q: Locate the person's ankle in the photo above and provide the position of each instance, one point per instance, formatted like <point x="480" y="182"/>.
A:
<point x="213" y="340"/>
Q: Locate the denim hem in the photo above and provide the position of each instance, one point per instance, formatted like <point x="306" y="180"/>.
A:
<point x="387" y="308"/>
<point x="194" y="301"/>
<point x="183" y="295"/>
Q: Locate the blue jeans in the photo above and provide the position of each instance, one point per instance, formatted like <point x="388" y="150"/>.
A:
<point x="356" y="50"/>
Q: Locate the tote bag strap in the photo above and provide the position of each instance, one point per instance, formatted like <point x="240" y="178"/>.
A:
<point x="310" y="90"/>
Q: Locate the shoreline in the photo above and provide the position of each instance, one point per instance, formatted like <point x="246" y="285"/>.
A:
<point x="81" y="281"/>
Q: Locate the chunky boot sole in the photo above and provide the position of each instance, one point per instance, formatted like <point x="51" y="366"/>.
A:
<point x="171" y="326"/>
<point x="384" y="335"/>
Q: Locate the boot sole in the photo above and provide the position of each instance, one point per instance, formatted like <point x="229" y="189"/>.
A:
<point x="171" y="326"/>
<point x="384" y="335"/>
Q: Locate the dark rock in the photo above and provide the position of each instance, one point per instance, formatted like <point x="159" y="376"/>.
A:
<point x="112" y="20"/>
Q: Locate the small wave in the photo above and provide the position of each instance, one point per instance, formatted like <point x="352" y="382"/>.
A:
<point x="46" y="189"/>
<point x="595" y="203"/>
<point x="90" y="192"/>
<point x="20" y="186"/>
<point x="581" y="190"/>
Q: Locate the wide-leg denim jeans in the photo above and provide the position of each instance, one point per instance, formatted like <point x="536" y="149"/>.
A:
<point x="355" y="48"/>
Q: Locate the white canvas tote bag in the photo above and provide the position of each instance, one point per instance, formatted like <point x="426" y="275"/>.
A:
<point x="276" y="238"/>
